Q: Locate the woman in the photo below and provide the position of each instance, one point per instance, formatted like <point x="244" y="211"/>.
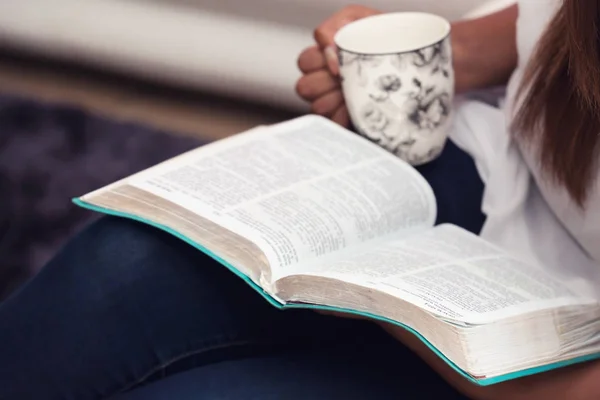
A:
<point x="124" y="306"/>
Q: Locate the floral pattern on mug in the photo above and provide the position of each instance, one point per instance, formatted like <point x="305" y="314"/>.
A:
<point x="386" y="84"/>
<point x="360" y="62"/>
<point x="401" y="101"/>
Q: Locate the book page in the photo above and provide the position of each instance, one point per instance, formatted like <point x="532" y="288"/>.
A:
<point x="451" y="273"/>
<point x="299" y="190"/>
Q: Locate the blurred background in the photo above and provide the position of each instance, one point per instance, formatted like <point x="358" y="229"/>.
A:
<point x="243" y="49"/>
<point x="94" y="90"/>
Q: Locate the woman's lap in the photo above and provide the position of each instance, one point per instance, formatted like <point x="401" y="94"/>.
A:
<point x="123" y="301"/>
<point x="325" y="374"/>
<point x="93" y="325"/>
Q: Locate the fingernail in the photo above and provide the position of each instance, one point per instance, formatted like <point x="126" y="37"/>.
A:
<point x="332" y="59"/>
<point x="331" y="54"/>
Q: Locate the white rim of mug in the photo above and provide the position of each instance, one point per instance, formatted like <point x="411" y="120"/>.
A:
<point x="446" y="36"/>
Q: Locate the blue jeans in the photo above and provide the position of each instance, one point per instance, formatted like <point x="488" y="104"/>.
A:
<point x="129" y="311"/>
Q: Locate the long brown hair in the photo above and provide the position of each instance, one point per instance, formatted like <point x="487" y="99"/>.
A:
<point x="560" y="110"/>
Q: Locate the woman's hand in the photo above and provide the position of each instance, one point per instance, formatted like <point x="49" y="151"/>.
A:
<point x="320" y="85"/>
<point x="484" y="54"/>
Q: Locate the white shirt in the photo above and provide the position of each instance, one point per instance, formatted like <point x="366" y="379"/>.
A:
<point x="528" y="216"/>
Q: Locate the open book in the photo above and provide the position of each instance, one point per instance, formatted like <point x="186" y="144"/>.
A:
<point x="314" y="216"/>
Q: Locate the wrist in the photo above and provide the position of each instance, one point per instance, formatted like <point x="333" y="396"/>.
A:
<point x="465" y="78"/>
<point x="484" y="50"/>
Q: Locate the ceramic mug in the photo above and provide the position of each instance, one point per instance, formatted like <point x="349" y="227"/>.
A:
<point x="398" y="81"/>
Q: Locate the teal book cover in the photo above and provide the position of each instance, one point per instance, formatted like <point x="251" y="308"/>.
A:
<point x="481" y="381"/>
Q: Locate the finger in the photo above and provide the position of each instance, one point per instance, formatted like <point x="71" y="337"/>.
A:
<point x="316" y="84"/>
<point x="341" y="117"/>
<point x="325" y="33"/>
<point x="332" y="60"/>
<point x="327" y="104"/>
<point x="311" y="59"/>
